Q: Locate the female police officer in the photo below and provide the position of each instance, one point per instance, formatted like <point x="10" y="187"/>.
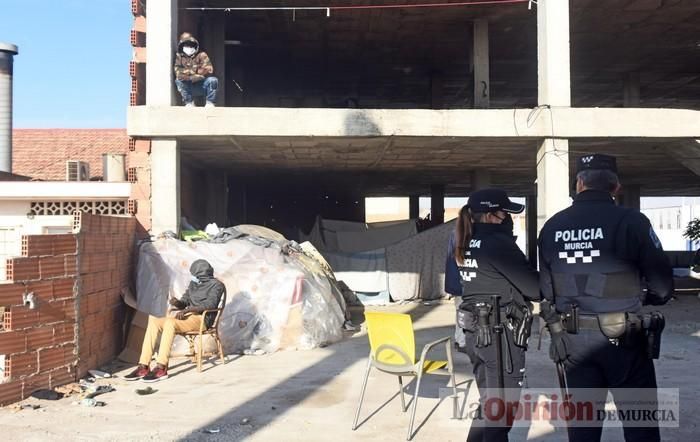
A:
<point x="490" y="263"/>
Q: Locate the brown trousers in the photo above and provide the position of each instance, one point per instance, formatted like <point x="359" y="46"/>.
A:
<point x="167" y="328"/>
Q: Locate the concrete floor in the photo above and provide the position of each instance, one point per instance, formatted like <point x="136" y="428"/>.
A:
<point x="312" y="395"/>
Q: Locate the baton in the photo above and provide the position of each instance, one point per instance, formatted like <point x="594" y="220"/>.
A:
<point x="561" y="373"/>
<point x="498" y="328"/>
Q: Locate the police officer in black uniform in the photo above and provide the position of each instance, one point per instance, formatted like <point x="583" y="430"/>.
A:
<point x="489" y="263"/>
<point x="593" y="258"/>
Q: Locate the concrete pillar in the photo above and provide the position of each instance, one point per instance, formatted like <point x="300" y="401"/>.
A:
<point x="217" y="51"/>
<point x="482" y="86"/>
<point x="631" y="196"/>
<point x="437" y="203"/>
<point x="552" y="178"/>
<point x="481" y="179"/>
<point x="553" y="66"/>
<point x="165" y="185"/>
<point x="554" y="89"/>
<point x="161" y="43"/>
<point x="531" y="227"/>
<point x="414" y="206"/>
<point x="631" y="96"/>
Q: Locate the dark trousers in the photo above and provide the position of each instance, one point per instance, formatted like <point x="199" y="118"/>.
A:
<point x="485" y="365"/>
<point x="596" y="363"/>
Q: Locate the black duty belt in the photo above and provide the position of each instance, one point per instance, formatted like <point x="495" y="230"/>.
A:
<point x="588" y="322"/>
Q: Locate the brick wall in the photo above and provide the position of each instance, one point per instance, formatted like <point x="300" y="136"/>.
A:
<point x="39" y="344"/>
<point x="76" y="281"/>
<point x="139" y="175"/>
<point x="106" y="247"/>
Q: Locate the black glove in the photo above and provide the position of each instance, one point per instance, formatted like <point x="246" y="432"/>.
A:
<point x="561" y="343"/>
<point x="483" y="326"/>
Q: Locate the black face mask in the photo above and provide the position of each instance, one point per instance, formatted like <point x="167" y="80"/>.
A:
<point x="508" y="221"/>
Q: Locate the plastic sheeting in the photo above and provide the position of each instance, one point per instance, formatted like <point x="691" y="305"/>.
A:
<point x="273" y="300"/>
<point x="362" y="271"/>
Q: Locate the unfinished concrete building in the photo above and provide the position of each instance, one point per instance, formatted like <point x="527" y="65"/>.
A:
<point x="324" y="103"/>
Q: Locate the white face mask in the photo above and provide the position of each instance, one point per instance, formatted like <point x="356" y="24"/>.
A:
<point x="189" y="50"/>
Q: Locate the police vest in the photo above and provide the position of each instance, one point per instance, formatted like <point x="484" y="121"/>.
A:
<point x="478" y="273"/>
<point x="580" y="246"/>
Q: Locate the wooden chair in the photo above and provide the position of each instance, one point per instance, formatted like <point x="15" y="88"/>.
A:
<point x="212" y="331"/>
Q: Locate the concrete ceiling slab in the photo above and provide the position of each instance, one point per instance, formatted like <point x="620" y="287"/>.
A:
<point x="383" y="166"/>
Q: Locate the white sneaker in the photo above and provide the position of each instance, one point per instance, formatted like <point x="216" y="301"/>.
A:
<point x="190" y="104"/>
<point x="209" y="104"/>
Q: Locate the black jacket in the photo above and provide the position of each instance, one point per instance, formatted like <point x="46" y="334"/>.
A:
<point x="493" y="264"/>
<point x="206" y="292"/>
<point x="595" y="254"/>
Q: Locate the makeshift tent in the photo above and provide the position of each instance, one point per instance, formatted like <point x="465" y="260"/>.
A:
<point x="385" y="257"/>
<point x="278" y="296"/>
<point x="416" y="265"/>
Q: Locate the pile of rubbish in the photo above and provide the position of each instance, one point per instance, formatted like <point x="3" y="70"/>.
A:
<point x="280" y="294"/>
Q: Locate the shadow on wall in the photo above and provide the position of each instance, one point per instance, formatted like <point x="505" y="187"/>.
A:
<point x="358" y="123"/>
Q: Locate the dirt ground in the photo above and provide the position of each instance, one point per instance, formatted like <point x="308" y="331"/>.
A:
<point x="312" y="395"/>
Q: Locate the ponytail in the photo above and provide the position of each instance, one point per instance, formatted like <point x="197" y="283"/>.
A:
<point x="463" y="233"/>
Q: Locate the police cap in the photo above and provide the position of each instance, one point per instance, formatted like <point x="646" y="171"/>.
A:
<point x="596" y="161"/>
<point x="493" y="200"/>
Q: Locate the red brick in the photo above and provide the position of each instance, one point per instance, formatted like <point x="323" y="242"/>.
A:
<point x="52" y="267"/>
<point x="71" y="265"/>
<point x="138" y="39"/>
<point x="137" y="7"/>
<point x="62" y="376"/>
<point x="23" y="364"/>
<point x="20" y="317"/>
<point x="12" y="342"/>
<point x="10" y="392"/>
<point x="64" y="333"/>
<point x="40" y="337"/>
<point x="23" y="269"/>
<point x="34" y="383"/>
<point x="64" y="244"/>
<point x="139" y="159"/>
<point x="51" y="358"/>
<point x="36" y="245"/>
<point x="64" y="288"/>
<point x="43" y="290"/>
<point x="95" y="302"/>
<point x="57" y="311"/>
<point x="11" y="294"/>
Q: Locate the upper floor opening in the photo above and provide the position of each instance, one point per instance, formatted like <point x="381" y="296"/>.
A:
<point x="637" y="53"/>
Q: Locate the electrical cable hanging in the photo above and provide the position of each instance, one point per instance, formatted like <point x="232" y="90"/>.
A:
<point x="356" y="7"/>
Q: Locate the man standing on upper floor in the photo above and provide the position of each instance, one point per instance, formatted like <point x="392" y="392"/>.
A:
<point x="194" y="73"/>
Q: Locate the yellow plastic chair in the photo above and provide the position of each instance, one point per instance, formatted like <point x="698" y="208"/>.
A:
<point x="393" y="351"/>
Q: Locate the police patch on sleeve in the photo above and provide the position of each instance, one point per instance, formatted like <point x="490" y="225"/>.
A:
<point x="655" y="239"/>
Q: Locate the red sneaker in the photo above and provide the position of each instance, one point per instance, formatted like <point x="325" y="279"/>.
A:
<point x="138" y="373"/>
<point x="157" y="374"/>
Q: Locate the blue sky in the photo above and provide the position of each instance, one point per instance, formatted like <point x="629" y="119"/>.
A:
<point x="72" y="70"/>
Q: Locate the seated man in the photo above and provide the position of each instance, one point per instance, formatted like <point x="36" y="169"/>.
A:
<point x="203" y="293"/>
<point x="194" y="73"/>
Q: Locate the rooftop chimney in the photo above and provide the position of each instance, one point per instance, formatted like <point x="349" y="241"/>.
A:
<point x="7" y="54"/>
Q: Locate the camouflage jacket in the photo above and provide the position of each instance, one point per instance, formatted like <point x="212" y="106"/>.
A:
<point x="195" y="68"/>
